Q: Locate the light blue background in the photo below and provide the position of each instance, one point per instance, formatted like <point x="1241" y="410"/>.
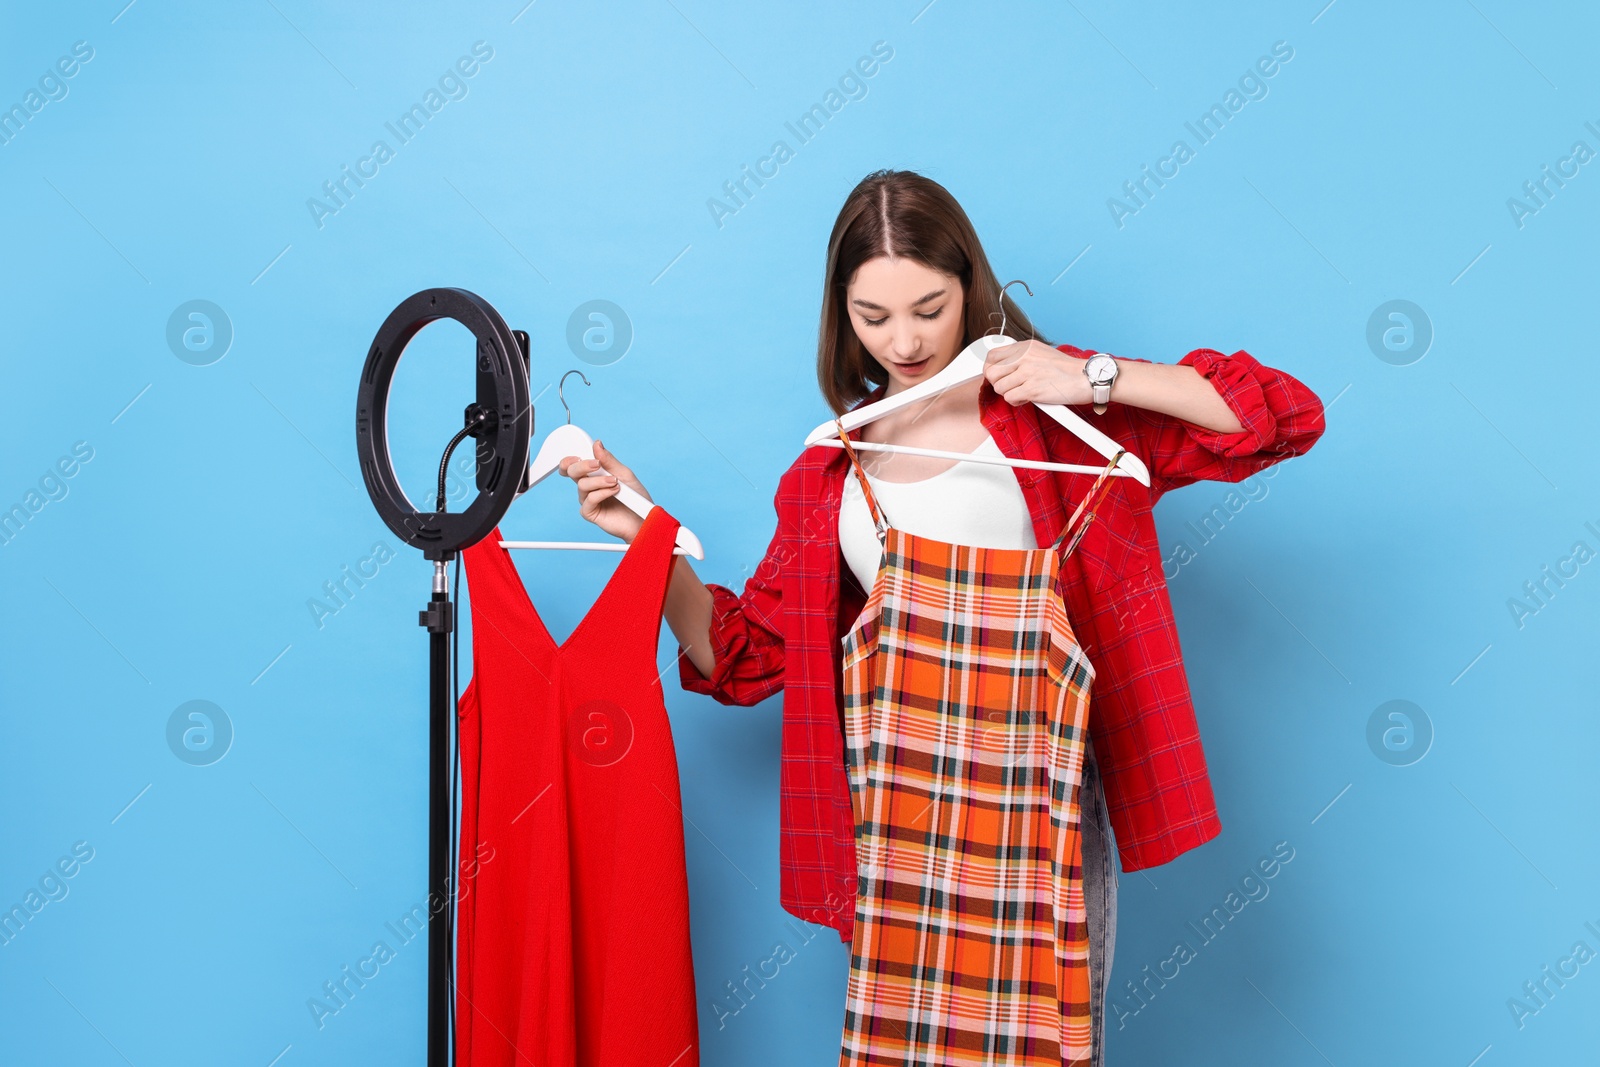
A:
<point x="220" y="498"/>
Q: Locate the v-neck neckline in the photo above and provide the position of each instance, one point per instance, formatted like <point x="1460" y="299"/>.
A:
<point x="629" y="554"/>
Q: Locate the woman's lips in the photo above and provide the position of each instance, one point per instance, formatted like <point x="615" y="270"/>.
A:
<point x="914" y="368"/>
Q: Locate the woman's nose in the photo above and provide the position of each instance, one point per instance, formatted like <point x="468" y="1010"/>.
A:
<point x="905" y="344"/>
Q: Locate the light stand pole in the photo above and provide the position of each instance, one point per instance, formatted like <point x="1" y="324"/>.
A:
<point x="501" y="420"/>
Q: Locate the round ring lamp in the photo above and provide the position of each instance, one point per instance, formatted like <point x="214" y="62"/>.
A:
<point x="501" y="420"/>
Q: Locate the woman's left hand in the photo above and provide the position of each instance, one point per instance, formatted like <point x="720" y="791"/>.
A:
<point x="1032" y="372"/>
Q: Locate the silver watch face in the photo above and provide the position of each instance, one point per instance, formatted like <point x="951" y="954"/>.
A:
<point x="1101" y="368"/>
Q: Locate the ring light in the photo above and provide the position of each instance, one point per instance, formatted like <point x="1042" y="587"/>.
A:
<point x="503" y="413"/>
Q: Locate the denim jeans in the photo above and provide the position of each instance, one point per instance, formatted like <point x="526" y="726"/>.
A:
<point x="1100" y="865"/>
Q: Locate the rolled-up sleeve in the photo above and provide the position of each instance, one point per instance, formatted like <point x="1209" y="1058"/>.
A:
<point x="746" y="632"/>
<point x="1280" y="417"/>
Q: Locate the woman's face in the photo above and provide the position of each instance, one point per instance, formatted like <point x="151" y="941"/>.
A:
<point x="907" y="315"/>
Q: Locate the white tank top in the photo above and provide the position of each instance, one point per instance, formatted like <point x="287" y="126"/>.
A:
<point x="977" y="504"/>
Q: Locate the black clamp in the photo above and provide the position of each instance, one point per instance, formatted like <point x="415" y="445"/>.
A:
<point x="439" y="617"/>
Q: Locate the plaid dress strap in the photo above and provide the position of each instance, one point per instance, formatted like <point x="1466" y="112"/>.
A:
<point x="1090" y="501"/>
<point x="879" y="521"/>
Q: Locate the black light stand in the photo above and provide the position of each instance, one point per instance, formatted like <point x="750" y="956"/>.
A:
<point x="501" y="420"/>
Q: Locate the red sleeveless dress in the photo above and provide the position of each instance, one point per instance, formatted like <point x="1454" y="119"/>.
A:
<point x="573" y="914"/>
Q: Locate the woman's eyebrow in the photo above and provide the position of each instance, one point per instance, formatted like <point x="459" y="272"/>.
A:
<point x="915" y="303"/>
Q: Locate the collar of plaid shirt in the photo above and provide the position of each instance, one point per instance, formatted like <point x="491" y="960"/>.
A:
<point x="783" y="630"/>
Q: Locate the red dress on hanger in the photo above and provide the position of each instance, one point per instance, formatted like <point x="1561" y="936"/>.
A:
<point x="573" y="913"/>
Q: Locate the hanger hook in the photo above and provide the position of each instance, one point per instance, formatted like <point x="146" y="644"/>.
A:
<point x="1003" y="288"/>
<point x="563" y="382"/>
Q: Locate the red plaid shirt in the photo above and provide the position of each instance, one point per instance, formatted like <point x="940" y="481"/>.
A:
<point x="784" y="630"/>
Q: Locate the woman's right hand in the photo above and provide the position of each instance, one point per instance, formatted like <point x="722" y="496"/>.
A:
<point x="598" y="481"/>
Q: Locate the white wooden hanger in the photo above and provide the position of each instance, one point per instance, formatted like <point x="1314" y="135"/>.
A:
<point x="569" y="440"/>
<point x="967" y="365"/>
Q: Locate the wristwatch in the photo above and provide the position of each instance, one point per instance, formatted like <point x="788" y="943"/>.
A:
<point x="1101" y="370"/>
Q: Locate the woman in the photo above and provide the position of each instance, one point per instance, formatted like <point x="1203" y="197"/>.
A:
<point x="907" y="287"/>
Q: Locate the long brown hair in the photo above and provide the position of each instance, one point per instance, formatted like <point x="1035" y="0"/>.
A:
<point x="901" y="213"/>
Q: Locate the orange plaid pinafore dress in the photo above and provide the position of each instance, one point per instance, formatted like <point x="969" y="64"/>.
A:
<point x="966" y="701"/>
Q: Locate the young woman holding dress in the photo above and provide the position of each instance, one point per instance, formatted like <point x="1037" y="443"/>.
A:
<point x="907" y="288"/>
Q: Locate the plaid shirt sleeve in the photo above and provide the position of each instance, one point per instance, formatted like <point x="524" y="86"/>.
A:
<point x="1280" y="417"/>
<point x="746" y="630"/>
